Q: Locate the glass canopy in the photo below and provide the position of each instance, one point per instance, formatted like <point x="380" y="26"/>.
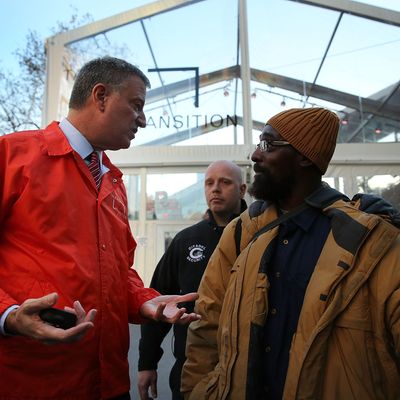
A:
<point x="219" y="69"/>
<point x="295" y="54"/>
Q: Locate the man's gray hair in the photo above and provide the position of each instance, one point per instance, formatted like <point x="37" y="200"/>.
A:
<point x="107" y="70"/>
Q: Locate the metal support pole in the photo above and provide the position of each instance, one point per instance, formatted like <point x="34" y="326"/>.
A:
<point x="52" y="95"/>
<point x="245" y="72"/>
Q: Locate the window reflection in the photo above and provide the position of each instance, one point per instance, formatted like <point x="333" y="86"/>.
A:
<point x="168" y="236"/>
<point x="386" y="186"/>
<point x="175" y="196"/>
<point x="132" y="184"/>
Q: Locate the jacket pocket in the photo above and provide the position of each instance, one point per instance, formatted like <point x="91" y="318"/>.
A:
<point x="353" y="360"/>
<point x="354" y="347"/>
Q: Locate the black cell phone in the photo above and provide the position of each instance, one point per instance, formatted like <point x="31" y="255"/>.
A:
<point x="58" y="318"/>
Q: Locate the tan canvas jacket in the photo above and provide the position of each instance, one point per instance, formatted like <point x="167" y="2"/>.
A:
<point x="347" y="344"/>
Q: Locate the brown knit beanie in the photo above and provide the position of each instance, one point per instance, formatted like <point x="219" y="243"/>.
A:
<point x="311" y="131"/>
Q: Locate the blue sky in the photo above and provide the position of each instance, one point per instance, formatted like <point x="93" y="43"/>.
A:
<point x="20" y="16"/>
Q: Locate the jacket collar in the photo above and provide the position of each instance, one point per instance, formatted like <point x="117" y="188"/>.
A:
<point x="324" y="196"/>
<point x="58" y="145"/>
<point x="55" y="140"/>
<point x="211" y="220"/>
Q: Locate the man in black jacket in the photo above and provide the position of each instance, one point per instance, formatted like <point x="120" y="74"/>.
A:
<point x="182" y="266"/>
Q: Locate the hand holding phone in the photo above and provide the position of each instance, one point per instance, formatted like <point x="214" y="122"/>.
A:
<point x="58" y="318"/>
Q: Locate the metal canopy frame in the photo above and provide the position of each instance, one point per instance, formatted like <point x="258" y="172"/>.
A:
<point x="55" y="45"/>
<point x="369" y="106"/>
<point x="271" y="79"/>
<point x="381" y="105"/>
<point x="350" y="159"/>
<point x="358" y="9"/>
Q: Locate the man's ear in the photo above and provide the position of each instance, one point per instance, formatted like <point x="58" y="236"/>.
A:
<point x="243" y="188"/>
<point x="304" y="161"/>
<point x="99" y="95"/>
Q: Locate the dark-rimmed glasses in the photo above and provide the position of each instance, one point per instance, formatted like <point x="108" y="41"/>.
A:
<point x="267" y="145"/>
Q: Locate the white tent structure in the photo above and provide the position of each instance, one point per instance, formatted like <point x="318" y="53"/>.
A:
<point x="219" y="69"/>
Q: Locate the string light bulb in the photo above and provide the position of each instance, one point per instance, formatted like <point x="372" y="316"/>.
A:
<point x="345" y="119"/>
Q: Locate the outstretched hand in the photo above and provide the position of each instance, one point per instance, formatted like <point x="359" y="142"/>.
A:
<point x="165" y="309"/>
<point x="26" y="321"/>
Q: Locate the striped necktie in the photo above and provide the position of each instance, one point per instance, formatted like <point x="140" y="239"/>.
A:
<point x="94" y="168"/>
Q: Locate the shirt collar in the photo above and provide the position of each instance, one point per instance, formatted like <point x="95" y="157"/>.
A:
<point x="79" y="143"/>
<point x="306" y="218"/>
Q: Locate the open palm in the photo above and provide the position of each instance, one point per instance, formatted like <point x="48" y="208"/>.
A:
<point x="165" y="308"/>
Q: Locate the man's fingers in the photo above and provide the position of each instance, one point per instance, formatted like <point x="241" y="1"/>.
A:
<point x="159" y="315"/>
<point x="187" y="318"/>
<point x="58" y="335"/>
<point x="153" y="389"/>
<point x="80" y="312"/>
<point x="143" y="392"/>
<point x="78" y="308"/>
<point x="32" y="306"/>
<point x="26" y="321"/>
<point x="188" y="297"/>
<point x="91" y="315"/>
<point x="176" y="316"/>
<point x="49" y="334"/>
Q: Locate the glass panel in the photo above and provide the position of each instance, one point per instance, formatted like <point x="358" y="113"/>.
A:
<point x="189" y="45"/>
<point x="168" y="236"/>
<point x="321" y="58"/>
<point x="335" y="182"/>
<point x="301" y="55"/>
<point x="171" y="48"/>
<point x="176" y="196"/>
<point x="132" y="184"/>
<point x="362" y="58"/>
<point x="287" y="45"/>
<point x="387" y="186"/>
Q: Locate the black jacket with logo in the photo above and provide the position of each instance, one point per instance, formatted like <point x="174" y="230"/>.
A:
<point x="179" y="272"/>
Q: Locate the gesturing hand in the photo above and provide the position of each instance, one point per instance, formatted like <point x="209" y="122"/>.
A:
<point x="25" y="321"/>
<point x="165" y="309"/>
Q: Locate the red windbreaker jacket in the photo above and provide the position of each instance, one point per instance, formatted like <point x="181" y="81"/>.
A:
<point x="58" y="234"/>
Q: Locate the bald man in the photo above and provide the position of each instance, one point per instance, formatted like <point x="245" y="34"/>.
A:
<point x="181" y="269"/>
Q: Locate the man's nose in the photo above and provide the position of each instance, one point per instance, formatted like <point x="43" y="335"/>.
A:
<point x="216" y="187"/>
<point x="141" y="119"/>
<point x="256" y="156"/>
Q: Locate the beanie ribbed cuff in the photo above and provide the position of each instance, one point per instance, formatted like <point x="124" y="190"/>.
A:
<point x="311" y="131"/>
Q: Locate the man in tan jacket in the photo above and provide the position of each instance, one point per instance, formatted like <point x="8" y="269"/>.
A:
<point x="301" y="298"/>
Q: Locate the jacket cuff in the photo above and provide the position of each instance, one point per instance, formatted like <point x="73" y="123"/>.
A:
<point x="149" y="355"/>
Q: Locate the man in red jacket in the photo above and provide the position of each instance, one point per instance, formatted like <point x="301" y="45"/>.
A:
<point x="65" y="242"/>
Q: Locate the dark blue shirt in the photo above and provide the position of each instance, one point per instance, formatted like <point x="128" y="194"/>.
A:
<point x="297" y="248"/>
